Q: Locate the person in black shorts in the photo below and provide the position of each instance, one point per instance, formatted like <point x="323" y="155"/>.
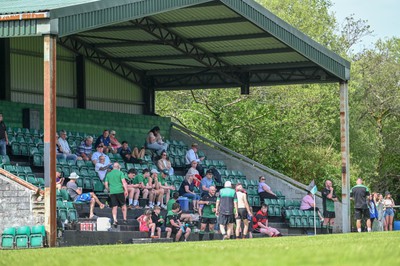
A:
<point x="328" y="204"/>
<point x="174" y="224"/>
<point x="208" y="200"/>
<point x="227" y="209"/>
<point x="359" y="194"/>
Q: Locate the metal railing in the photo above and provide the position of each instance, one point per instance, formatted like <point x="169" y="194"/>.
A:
<point x="241" y="157"/>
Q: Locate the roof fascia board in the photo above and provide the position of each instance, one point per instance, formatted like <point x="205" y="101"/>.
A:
<point x="79" y="18"/>
<point x="274" y="25"/>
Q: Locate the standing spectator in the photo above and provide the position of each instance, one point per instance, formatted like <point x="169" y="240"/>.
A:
<point x="102" y="168"/>
<point x="105" y="140"/>
<point x="3" y="136"/>
<point x="264" y="191"/>
<point x="114" y="142"/>
<point x="76" y="195"/>
<point x="388" y="204"/>
<point x="64" y="149"/>
<point x="260" y="223"/>
<point x="243" y="211"/>
<point x="158" y="220"/>
<point x="191" y="155"/>
<point x="131" y="157"/>
<point x="308" y="204"/>
<point x="133" y="190"/>
<point x="328" y="204"/>
<point x="146" y="224"/>
<point x="116" y="184"/>
<point x="209" y="201"/>
<point x="154" y="141"/>
<point x="85" y="149"/>
<point x="187" y="190"/>
<point x="227" y="209"/>
<point x="359" y="194"/>
<point x="164" y="185"/>
<point x="206" y="183"/>
<point x="373" y="212"/>
<point x="99" y="152"/>
<point x="175" y="225"/>
<point x="381" y="212"/>
<point x="165" y="164"/>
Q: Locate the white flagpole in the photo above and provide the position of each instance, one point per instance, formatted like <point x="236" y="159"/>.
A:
<point x="315" y="224"/>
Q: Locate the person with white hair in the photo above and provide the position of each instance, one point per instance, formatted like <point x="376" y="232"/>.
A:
<point x="227" y="209"/>
<point x="76" y="194"/>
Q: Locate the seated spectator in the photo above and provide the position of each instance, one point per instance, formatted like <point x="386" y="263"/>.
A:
<point x="59" y="180"/>
<point x="165" y="164"/>
<point x="183" y="216"/>
<point x="308" y="204"/>
<point x="64" y="149"/>
<point x="99" y="152"/>
<point x="140" y="180"/>
<point x="76" y="194"/>
<point x="146" y="224"/>
<point x="175" y="225"/>
<point x="114" y="142"/>
<point x="165" y="187"/>
<point x="187" y="190"/>
<point x="133" y="190"/>
<point x="264" y="191"/>
<point x="206" y="183"/>
<point x="105" y="140"/>
<point x="85" y="149"/>
<point x="260" y="223"/>
<point x="191" y="155"/>
<point x="193" y="171"/>
<point x="131" y="157"/>
<point x="154" y="141"/>
<point x="102" y="168"/>
<point x="158" y="191"/>
<point x="158" y="220"/>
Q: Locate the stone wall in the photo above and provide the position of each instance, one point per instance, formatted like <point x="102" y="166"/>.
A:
<point x="277" y="184"/>
<point x="17" y="205"/>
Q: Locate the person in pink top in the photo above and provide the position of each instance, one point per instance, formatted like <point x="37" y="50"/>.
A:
<point x="115" y="144"/>
<point x="308" y="203"/>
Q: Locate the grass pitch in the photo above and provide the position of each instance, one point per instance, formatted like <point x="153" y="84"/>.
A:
<point x="381" y="248"/>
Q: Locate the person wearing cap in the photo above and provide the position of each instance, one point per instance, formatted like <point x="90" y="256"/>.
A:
<point x="359" y="194"/>
<point x="227" y="209"/>
<point x="116" y="184"/>
<point x="105" y="140"/>
<point x="388" y="204"/>
<point x="114" y="142"/>
<point x="158" y="191"/>
<point x="154" y="141"/>
<point x="165" y="187"/>
<point x="206" y="183"/>
<point x="76" y="195"/>
<point x="187" y="190"/>
<point x="99" y="152"/>
<point x="191" y="155"/>
<point x="165" y="164"/>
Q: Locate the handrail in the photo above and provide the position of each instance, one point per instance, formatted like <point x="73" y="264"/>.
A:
<point x="21" y="181"/>
<point x="241" y="157"/>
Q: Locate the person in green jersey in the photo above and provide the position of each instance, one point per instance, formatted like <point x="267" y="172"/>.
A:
<point x="209" y="201"/>
<point x="227" y="209"/>
<point x="115" y="183"/>
<point x="165" y="186"/>
<point x="133" y="189"/>
<point x="328" y="205"/>
<point x="175" y="225"/>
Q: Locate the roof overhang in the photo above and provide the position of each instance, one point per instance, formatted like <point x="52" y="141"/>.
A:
<point x="180" y="44"/>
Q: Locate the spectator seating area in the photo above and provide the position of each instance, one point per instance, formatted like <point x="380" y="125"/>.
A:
<point x="23" y="237"/>
<point x="301" y="219"/>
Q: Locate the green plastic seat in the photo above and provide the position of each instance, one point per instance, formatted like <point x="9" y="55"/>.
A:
<point x="22" y="237"/>
<point x="8" y="238"/>
<point x="38" y="236"/>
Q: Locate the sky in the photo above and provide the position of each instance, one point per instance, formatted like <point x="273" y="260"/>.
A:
<point x="383" y="16"/>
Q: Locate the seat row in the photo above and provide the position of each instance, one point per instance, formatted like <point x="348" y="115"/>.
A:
<point x="23" y="237"/>
<point x="66" y="210"/>
<point x="302" y="219"/>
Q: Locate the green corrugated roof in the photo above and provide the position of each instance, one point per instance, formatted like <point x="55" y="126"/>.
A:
<point x="245" y="38"/>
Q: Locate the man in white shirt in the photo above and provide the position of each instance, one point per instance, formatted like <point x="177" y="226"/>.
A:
<point x="191" y="155"/>
<point x="64" y="149"/>
<point x="102" y="168"/>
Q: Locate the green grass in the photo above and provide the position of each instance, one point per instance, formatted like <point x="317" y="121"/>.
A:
<point x="381" y="248"/>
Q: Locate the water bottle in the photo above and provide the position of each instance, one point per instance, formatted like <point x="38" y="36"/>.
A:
<point x="183" y="228"/>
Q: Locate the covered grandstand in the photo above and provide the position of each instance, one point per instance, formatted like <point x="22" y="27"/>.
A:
<point x="112" y="56"/>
